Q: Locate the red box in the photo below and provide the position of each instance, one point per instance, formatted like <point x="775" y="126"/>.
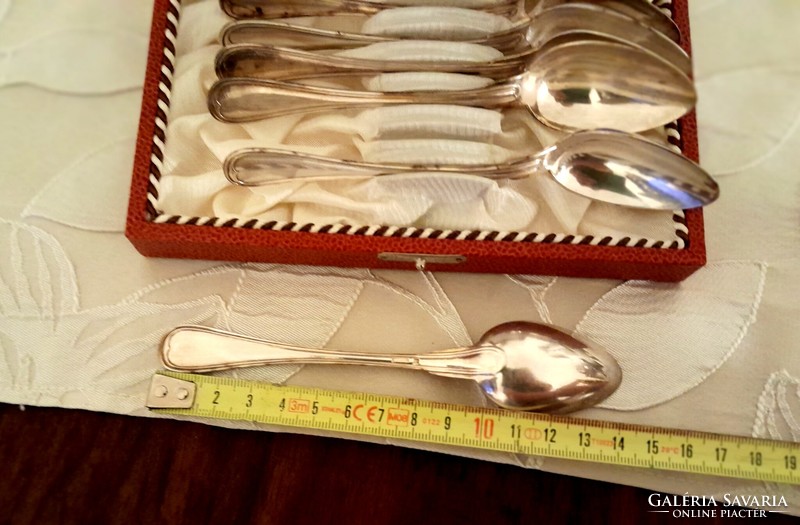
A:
<point x="157" y="235"/>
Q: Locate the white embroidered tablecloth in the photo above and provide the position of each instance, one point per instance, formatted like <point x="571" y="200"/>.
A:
<point x="82" y="313"/>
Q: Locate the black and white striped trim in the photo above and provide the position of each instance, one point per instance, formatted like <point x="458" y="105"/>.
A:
<point x="162" y="109"/>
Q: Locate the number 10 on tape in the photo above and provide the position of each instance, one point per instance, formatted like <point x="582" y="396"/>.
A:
<point x="499" y="430"/>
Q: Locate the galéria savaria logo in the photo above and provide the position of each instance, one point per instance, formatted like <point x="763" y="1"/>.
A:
<point x="726" y="506"/>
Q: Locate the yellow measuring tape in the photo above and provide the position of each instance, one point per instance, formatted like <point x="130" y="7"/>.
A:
<point x="499" y="430"/>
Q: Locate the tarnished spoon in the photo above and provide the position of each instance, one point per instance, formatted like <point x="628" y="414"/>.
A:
<point x="560" y="21"/>
<point x="641" y="10"/>
<point x="572" y="86"/>
<point x="608" y="166"/>
<point x="518" y="365"/>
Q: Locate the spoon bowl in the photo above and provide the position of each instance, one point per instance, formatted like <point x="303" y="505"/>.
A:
<point x="590" y="85"/>
<point x="518" y="365"/>
<point x="640" y="10"/>
<point x="628" y="170"/>
<point x="584" y="21"/>
<point x="547" y="369"/>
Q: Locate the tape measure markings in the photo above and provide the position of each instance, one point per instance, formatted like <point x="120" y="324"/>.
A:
<point x="488" y="429"/>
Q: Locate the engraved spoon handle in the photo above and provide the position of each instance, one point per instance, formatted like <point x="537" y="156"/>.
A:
<point x="295" y="8"/>
<point x="264" y="166"/>
<point x="246" y="100"/>
<point x="202" y="349"/>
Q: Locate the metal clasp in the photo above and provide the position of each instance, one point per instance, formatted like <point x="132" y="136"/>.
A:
<point x="421" y="259"/>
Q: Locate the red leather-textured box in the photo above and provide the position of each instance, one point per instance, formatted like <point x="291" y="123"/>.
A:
<point x="157" y="233"/>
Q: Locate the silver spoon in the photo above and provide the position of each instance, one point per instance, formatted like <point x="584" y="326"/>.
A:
<point x="566" y="20"/>
<point x="571" y="86"/>
<point x="608" y="166"/>
<point x="269" y="9"/>
<point x="518" y="365"/>
<point x="641" y="10"/>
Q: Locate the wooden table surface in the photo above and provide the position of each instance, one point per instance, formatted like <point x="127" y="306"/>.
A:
<point x="68" y="466"/>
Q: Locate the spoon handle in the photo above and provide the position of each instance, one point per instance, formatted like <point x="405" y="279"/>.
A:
<point x="202" y="349"/>
<point x="283" y="34"/>
<point x="264" y="166"/>
<point x="274" y="62"/>
<point x="296" y="8"/>
<point x="246" y="100"/>
<point x="270" y="32"/>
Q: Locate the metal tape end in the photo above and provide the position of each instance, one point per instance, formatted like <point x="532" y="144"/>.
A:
<point x="169" y="392"/>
